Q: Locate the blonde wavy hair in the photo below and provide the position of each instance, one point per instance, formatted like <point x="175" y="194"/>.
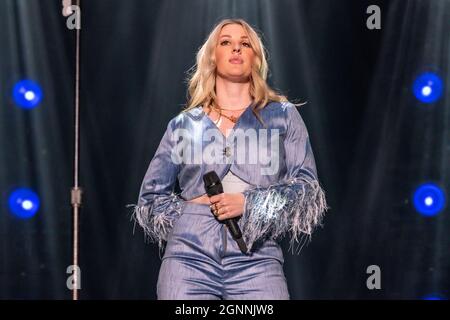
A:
<point x="201" y="78"/>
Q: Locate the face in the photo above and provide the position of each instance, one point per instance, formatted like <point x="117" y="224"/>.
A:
<point x="234" y="54"/>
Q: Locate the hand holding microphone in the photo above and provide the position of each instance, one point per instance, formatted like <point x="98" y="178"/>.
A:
<point x="225" y="207"/>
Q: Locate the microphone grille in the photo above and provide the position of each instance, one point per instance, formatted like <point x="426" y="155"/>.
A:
<point x="211" y="178"/>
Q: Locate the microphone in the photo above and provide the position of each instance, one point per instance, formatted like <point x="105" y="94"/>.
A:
<point x="213" y="186"/>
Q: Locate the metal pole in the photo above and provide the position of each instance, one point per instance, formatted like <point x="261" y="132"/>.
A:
<point x="76" y="190"/>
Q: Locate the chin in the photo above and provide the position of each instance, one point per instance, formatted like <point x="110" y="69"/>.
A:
<point x="234" y="76"/>
<point x="239" y="78"/>
<point x="238" y="74"/>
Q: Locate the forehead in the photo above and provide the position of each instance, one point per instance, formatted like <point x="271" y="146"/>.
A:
<point x="233" y="30"/>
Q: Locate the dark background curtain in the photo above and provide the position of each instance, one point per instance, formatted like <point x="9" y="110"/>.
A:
<point x="372" y="140"/>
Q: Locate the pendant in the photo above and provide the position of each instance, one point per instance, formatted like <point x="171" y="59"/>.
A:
<point x="233" y="118"/>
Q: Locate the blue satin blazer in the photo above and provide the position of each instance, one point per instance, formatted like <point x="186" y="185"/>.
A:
<point x="284" y="197"/>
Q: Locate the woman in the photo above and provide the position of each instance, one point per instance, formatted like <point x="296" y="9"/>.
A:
<point x="274" y="192"/>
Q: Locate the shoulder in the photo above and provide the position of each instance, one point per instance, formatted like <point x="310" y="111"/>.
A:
<point x="284" y="109"/>
<point x="293" y="121"/>
<point x="185" y="116"/>
<point x="282" y="106"/>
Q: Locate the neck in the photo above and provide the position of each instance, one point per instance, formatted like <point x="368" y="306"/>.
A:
<point x="232" y="95"/>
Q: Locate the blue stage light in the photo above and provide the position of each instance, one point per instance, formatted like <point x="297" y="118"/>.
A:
<point x="27" y="94"/>
<point x="434" y="297"/>
<point x="24" y="203"/>
<point x="429" y="199"/>
<point x="428" y="87"/>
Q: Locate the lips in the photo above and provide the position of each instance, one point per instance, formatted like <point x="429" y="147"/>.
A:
<point x="236" y="60"/>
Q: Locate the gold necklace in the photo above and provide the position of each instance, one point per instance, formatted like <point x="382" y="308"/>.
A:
<point x="231" y="118"/>
<point x="219" y="107"/>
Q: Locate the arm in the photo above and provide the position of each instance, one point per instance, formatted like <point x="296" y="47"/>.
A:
<point x="295" y="204"/>
<point x="158" y="206"/>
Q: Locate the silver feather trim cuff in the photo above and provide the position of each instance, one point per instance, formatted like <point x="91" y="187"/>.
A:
<point x="296" y="206"/>
<point x="158" y="216"/>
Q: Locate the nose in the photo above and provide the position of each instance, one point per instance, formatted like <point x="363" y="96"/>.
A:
<point x="237" y="48"/>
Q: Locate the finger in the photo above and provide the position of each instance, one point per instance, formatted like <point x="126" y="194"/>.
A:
<point x="214" y="199"/>
<point x="213" y="209"/>
<point x="230" y="214"/>
<point x="225" y="216"/>
<point x="222" y="211"/>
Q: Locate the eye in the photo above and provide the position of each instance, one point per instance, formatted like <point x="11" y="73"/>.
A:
<point x="244" y="43"/>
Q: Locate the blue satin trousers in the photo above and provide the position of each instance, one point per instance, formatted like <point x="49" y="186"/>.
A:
<point x="203" y="262"/>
